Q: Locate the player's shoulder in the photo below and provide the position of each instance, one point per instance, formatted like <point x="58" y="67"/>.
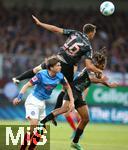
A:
<point x="60" y="75"/>
<point x="69" y="31"/>
<point x="86" y="40"/>
<point x="41" y="72"/>
<point x="84" y="36"/>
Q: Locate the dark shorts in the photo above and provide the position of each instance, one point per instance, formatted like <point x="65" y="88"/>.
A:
<point x="78" y="99"/>
<point x="59" y="101"/>
<point x="68" y="71"/>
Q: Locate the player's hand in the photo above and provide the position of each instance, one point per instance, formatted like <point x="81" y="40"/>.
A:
<point x="16" y="101"/>
<point x="36" y="20"/>
<point x="104" y="78"/>
<point x="15" y="80"/>
<point x="113" y="85"/>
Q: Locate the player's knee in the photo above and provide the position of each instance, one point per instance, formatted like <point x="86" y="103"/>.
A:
<point x="34" y="122"/>
<point x="66" y="115"/>
<point x="65" y="109"/>
<point x="85" y="120"/>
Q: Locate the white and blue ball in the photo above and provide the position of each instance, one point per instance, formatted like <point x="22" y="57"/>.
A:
<point x="107" y="8"/>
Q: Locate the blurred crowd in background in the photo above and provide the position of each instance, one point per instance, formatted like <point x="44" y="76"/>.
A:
<point x="24" y="45"/>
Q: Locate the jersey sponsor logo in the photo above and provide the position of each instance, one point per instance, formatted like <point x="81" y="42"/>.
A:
<point x="49" y="87"/>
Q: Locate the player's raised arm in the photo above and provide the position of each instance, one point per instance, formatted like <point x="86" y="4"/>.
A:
<point x="90" y="66"/>
<point x="49" y="27"/>
<point x="27" y="74"/>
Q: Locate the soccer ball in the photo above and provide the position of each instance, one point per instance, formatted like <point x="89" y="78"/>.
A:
<point x="107" y="8"/>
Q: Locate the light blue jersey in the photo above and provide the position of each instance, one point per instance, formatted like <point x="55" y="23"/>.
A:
<point x="44" y="84"/>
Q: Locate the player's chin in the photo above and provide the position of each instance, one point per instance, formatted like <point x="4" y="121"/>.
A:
<point x="59" y="70"/>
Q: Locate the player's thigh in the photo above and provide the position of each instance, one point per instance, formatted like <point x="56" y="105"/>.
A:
<point x="68" y="71"/>
<point x="59" y="101"/>
<point x="65" y="105"/>
<point x="81" y="106"/>
<point x="42" y="110"/>
<point x="32" y="108"/>
<point x="33" y="122"/>
<point x="83" y="112"/>
<point x="32" y="112"/>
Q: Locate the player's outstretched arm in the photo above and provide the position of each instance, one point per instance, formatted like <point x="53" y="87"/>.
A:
<point x="111" y="85"/>
<point x="26" y="75"/>
<point x="104" y="81"/>
<point x="49" y="27"/>
<point x="18" y="99"/>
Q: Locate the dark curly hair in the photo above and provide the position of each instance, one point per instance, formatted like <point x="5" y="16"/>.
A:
<point x="100" y="58"/>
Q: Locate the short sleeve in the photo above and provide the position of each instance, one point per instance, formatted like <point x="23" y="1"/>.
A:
<point x="68" y="31"/>
<point x="36" y="79"/>
<point x="88" y="52"/>
<point x="63" y="81"/>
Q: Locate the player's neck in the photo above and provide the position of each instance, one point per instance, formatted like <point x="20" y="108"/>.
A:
<point x="51" y="73"/>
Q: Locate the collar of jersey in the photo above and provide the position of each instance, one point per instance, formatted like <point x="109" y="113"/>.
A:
<point x="50" y="76"/>
<point x="84" y="34"/>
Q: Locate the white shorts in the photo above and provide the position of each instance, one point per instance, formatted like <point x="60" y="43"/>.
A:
<point x="35" y="108"/>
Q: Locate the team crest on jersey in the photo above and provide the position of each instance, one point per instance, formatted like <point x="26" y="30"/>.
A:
<point x="32" y="113"/>
<point x="34" y="79"/>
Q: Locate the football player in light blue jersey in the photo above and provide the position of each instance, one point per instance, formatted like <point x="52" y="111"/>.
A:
<point x="44" y="82"/>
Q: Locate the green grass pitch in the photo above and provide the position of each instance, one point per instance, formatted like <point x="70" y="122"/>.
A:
<point x="96" y="136"/>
